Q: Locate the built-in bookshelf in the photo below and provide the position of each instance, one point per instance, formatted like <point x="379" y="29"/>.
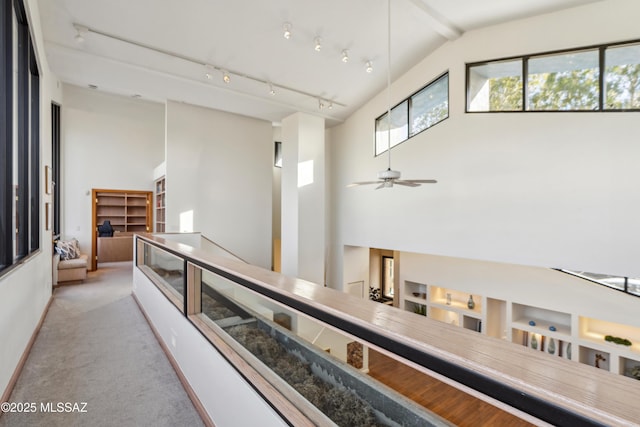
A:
<point x="557" y="334"/>
<point x="128" y="212"/>
<point x="159" y="205"/>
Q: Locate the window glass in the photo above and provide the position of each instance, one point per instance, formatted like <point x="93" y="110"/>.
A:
<point x="399" y="128"/>
<point x="430" y="105"/>
<point x="568" y="81"/>
<point x="496" y="86"/>
<point x="622" y="77"/>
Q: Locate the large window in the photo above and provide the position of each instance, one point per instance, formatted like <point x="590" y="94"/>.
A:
<point x="423" y="109"/>
<point x="590" y="79"/>
<point x="19" y="137"/>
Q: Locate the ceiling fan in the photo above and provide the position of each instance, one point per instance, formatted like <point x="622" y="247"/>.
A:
<point x="387" y="178"/>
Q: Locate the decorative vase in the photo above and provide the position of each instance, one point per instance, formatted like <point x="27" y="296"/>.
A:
<point x="448" y="299"/>
<point x="552" y="346"/>
<point x="534" y="342"/>
<point x="470" y="303"/>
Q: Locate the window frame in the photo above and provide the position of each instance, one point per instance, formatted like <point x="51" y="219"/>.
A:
<point x="601" y="48"/>
<point x="20" y="213"/>
<point x="408" y="100"/>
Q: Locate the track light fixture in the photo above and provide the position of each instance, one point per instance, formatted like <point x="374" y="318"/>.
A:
<point x="318" y="44"/>
<point x="210" y="70"/>
<point x="368" y="67"/>
<point x="320" y="104"/>
<point x="208" y="73"/>
<point x="81" y="31"/>
<point x="287" y="30"/>
<point x="345" y="56"/>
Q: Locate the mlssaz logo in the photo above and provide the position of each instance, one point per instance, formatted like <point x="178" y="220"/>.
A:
<point x="79" y="407"/>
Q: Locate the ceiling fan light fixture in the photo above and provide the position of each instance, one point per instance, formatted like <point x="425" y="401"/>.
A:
<point x="387" y="178"/>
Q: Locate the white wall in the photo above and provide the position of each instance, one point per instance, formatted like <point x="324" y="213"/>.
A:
<point x="219" y="165"/>
<point x="108" y="142"/>
<point x="545" y="189"/>
<point x="534" y="286"/>
<point x="26" y="290"/>
<point x="225" y="395"/>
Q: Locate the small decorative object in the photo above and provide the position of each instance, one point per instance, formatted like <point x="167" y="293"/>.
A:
<point x="420" y="309"/>
<point x="569" y="351"/>
<point x="635" y="372"/>
<point x="534" y="342"/>
<point x="617" y="340"/>
<point x="552" y="346"/>
<point x="599" y="358"/>
<point x="532" y="323"/>
<point x="552" y="328"/>
<point x="471" y="304"/>
<point x="448" y="299"/>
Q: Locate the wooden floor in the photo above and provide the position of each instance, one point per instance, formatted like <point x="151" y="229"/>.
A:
<point x="440" y="398"/>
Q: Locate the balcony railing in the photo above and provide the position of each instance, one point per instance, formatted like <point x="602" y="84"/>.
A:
<point x="304" y="349"/>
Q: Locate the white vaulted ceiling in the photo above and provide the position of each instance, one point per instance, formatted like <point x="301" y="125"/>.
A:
<point x="156" y="48"/>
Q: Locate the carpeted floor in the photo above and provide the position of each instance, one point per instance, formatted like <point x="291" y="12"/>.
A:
<point x="97" y="363"/>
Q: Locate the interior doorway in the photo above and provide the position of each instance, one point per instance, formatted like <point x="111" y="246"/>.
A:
<point x="382" y="268"/>
<point x="387" y="277"/>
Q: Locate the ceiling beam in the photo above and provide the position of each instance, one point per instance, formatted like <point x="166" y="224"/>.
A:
<point x="439" y="23"/>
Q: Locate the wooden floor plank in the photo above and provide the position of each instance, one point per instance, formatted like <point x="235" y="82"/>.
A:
<point x="440" y="398"/>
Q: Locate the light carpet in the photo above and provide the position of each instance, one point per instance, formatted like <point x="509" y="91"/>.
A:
<point x="96" y="348"/>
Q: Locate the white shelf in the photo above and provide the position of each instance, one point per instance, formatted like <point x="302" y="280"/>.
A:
<point x="596" y="340"/>
<point x="562" y="332"/>
<point x="458" y="307"/>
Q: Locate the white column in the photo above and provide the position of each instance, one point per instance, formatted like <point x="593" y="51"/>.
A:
<point x="303" y="197"/>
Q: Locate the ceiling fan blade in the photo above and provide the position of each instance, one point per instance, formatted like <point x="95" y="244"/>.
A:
<point x="407" y="183"/>
<point x="422" y="181"/>
<point x="355" y="184"/>
<point x="384" y="184"/>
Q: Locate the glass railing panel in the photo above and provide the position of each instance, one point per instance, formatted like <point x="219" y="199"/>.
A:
<point x="305" y="359"/>
<point x="165" y="270"/>
<point x="633" y="286"/>
<point x="629" y="285"/>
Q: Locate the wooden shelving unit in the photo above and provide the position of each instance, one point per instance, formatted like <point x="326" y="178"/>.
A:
<point x="129" y="212"/>
<point x="159" y="205"/>
<point x="555" y="333"/>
